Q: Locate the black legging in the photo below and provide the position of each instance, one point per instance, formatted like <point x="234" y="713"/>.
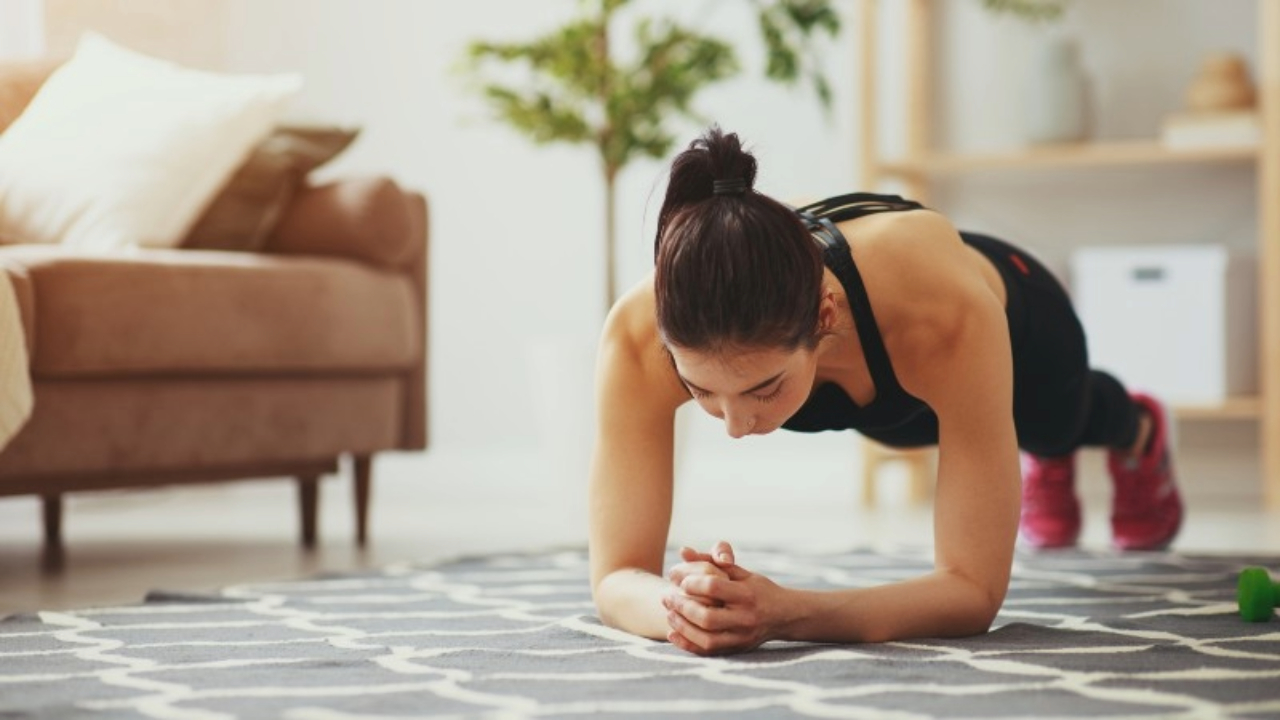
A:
<point x="1059" y="403"/>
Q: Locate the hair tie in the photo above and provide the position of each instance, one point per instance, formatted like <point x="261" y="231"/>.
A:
<point x="731" y="186"/>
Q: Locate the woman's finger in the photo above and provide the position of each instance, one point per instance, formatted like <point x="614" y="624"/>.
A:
<point x="688" y="554"/>
<point x="710" y="617"/>
<point x="671" y="599"/>
<point x="691" y="638"/>
<point x="722" y="553"/>
<point x="720" y="589"/>
<point x="678" y="573"/>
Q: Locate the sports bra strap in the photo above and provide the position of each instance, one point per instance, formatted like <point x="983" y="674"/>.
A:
<point x="856" y="205"/>
<point x="838" y="256"/>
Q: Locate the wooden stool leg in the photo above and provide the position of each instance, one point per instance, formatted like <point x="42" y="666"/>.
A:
<point x="308" y="507"/>
<point x="363" y="465"/>
<point x="920" y="470"/>
<point x="871" y="457"/>
<point x="919" y="465"/>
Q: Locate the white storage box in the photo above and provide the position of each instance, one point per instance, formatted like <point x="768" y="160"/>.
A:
<point x="1175" y="320"/>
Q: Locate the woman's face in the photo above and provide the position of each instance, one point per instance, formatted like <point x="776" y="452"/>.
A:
<point x="754" y="391"/>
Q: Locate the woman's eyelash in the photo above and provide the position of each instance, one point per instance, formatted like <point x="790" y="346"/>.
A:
<point x="771" y="396"/>
<point x="700" y="395"/>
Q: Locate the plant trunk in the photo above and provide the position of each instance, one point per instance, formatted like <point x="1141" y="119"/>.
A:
<point x="610" y="242"/>
<point x="605" y="140"/>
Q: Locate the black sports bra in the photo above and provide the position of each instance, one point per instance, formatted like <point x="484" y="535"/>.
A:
<point x="829" y="407"/>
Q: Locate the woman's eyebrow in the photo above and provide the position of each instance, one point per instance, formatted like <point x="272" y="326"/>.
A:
<point x="748" y="391"/>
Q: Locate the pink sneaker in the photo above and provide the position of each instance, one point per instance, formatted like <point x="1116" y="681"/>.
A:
<point x="1147" y="509"/>
<point x="1050" y="510"/>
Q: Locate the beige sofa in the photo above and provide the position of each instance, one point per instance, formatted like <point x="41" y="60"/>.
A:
<point x="156" y="367"/>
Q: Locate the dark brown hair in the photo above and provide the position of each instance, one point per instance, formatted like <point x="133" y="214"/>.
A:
<point x="734" y="268"/>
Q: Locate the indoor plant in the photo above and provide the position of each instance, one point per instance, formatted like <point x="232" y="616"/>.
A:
<point x="577" y="89"/>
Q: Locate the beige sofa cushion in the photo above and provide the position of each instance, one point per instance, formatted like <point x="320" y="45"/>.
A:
<point x="184" y="312"/>
<point x="249" y="206"/>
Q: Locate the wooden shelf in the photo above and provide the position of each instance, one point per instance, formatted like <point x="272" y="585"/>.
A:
<point x="1235" y="408"/>
<point x="1081" y="155"/>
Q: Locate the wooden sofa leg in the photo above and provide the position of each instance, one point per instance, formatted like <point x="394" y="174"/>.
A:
<point x="363" y="465"/>
<point x="52" y="521"/>
<point x="53" y="557"/>
<point x="308" y="505"/>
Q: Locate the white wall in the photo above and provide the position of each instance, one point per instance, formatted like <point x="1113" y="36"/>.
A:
<point x="190" y="32"/>
<point x="21" y="28"/>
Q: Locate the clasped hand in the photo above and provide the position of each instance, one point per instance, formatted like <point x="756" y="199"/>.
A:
<point x="716" y="607"/>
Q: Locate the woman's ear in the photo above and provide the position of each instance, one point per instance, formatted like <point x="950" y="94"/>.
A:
<point x="827" y="311"/>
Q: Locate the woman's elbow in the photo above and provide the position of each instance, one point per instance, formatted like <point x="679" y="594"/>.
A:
<point x="985" y="609"/>
<point x="984" y="617"/>
<point x="606" y="613"/>
<point x="599" y="597"/>
<point x="975" y="619"/>
<point x="978" y="610"/>
<point x="605" y="594"/>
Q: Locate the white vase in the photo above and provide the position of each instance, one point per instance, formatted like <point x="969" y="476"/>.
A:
<point x="1056" y="93"/>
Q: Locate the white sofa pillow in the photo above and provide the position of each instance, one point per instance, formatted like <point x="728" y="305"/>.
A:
<point x="120" y="149"/>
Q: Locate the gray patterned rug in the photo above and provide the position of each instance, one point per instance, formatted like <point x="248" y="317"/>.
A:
<point x="1081" y="635"/>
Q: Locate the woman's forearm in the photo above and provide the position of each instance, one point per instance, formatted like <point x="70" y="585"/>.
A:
<point x="631" y="599"/>
<point x="936" y="605"/>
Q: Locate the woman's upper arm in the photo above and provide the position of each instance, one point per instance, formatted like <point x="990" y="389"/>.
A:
<point x="959" y="361"/>
<point x="631" y="468"/>
<point x="979" y="481"/>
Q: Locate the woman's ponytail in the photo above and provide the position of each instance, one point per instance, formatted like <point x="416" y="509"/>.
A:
<point x="714" y="164"/>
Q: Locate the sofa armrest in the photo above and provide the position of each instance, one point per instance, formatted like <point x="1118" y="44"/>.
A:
<point x="371" y="220"/>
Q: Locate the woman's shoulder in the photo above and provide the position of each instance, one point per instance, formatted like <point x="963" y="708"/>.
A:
<point x="917" y="270"/>
<point x="888" y="231"/>
<point x="630" y="335"/>
<point x="631" y="349"/>
<point x="633" y="320"/>
<point x="907" y="244"/>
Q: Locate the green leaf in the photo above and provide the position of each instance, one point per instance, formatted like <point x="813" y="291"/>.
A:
<point x="571" y="56"/>
<point x="822" y="88"/>
<point x="1033" y="10"/>
<point x="810" y="14"/>
<point x="788" y="28"/>
<point x="541" y="117"/>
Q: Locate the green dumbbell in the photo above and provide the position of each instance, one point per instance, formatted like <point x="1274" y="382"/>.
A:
<point x="1257" y="595"/>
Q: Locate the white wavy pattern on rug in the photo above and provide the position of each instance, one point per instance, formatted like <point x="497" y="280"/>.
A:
<point x="1081" y="635"/>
